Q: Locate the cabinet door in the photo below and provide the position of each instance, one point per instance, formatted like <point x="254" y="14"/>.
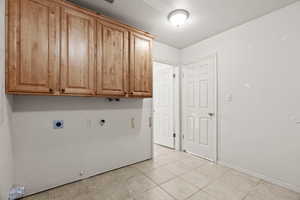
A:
<point x="140" y="66"/>
<point x="112" y="60"/>
<point x="33" y="46"/>
<point x="78" y="53"/>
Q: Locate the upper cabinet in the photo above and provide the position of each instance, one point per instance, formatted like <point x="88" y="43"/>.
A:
<point x="140" y="65"/>
<point x="77" y="53"/>
<point x="56" y="48"/>
<point x="112" y="59"/>
<point x="32" y="46"/>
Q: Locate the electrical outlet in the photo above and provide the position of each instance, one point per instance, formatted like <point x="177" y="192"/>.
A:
<point x="102" y="122"/>
<point x="132" y="122"/>
<point x="229" y="98"/>
<point x="58" y="124"/>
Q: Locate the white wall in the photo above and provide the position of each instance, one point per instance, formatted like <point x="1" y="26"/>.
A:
<point x="259" y="65"/>
<point x="165" y="54"/>
<point x="6" y="167"/>
<point x="45" y="158"/>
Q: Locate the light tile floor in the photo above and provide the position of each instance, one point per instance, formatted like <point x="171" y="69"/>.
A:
<point x="171" y="175"/>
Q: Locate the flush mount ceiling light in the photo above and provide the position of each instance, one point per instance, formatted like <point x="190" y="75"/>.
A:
<point x="178" y="17"/>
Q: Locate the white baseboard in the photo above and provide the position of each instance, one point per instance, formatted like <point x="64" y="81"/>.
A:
<point x="275" y="181"/>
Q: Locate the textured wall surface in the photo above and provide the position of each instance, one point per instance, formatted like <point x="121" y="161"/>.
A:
<point x="259" y="67"/>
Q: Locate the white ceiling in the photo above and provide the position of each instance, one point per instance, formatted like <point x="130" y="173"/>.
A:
<point x="208" y="17"/>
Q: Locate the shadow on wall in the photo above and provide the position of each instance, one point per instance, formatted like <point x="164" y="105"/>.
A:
<point x="59" y="103"/>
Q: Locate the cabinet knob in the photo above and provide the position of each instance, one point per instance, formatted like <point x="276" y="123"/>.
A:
<point x="63" y="90"/>
<point x="50" y="90"/>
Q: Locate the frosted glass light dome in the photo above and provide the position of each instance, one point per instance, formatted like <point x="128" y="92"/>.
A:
<point x="178" y="17"/>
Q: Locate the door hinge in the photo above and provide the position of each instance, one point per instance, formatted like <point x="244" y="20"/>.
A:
<point x="174" y="135"/>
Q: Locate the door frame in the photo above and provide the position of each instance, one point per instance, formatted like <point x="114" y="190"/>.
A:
<point x="176" y="105"/>
<point x="198" y="60"/>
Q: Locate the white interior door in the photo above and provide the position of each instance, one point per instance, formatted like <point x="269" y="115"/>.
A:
<point x="163" y="104"/>
<point x="199" y="108"/>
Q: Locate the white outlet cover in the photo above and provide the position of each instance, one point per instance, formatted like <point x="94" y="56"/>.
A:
<point x="229" y="98"/>
<point x="247" y="85"/>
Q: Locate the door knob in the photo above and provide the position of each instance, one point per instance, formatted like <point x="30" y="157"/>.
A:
<point x="211" y="114"/>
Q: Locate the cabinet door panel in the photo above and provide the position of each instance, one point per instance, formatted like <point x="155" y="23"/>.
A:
<point x="112" y="60"/>
<point x="78" y="53"/>
<point x="140" y="66"/>
<point x="33" y="43"/>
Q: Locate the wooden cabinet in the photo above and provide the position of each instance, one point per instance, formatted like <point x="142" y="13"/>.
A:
<point x="57" y="48"/>
<point x="140" y="65"/>
<point x="78" y="53"/>
<point x="112" y="59"/>
<point x="32" y="46"/>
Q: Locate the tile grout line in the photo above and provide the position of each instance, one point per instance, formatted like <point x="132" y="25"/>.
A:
<point x="180" y="176"/>
<point x="248" y="193"/>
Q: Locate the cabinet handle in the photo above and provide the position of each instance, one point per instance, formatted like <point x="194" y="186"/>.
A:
<point x="50" y="90"/>
<point x="63" y="90"/>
